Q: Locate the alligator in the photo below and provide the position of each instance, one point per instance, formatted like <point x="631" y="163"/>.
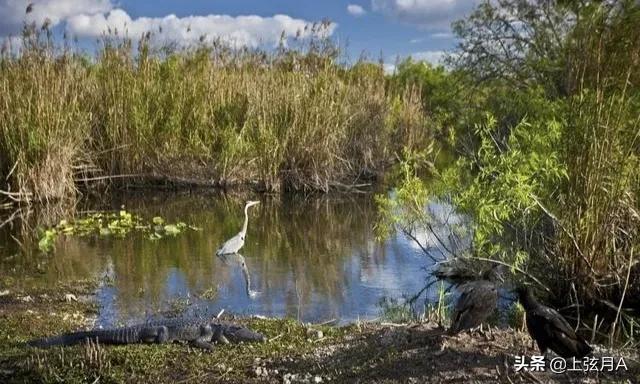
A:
<point x="199" y="333"/>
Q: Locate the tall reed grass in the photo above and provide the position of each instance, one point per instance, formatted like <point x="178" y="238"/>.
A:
<point x="599" y="233"/>
<point x="285" y="119"/>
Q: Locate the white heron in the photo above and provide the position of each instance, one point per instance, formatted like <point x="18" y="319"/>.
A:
<point x="234" y="244"/>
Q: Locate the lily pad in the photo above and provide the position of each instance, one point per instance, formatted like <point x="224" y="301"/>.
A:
<point x="172" y="230"/>
<point x="47" y="241"/>
<point x="105" y="224"/>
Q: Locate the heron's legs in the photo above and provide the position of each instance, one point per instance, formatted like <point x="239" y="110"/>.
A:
<point x="224" y="258"/>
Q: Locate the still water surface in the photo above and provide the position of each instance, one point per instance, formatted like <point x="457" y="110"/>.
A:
<point x="313" y="259"/>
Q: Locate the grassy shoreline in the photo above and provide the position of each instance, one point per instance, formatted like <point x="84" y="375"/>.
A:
<point x="297" y="352"/>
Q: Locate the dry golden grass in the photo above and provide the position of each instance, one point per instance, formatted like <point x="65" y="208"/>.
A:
<point x="289" y="119"/>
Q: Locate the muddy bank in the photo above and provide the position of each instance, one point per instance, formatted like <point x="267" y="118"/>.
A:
<point x="296" y="353"/>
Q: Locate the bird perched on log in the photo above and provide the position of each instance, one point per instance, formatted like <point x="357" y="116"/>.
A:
<point x="549" y="329"/>
<point x="477" y="302"/>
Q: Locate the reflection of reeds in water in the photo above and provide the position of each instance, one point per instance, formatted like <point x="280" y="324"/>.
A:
<point x="296" y="247"/>
<point x="19" y="254"/>
<point x="308" y="240"/>
<point x="313" y="240"/>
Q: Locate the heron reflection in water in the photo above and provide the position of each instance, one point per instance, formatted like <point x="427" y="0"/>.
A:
<point x="236" y="258"/>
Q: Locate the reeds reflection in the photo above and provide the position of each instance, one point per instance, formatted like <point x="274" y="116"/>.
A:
<point x="312" y="259"/>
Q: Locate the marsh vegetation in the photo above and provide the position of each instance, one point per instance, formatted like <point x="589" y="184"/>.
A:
<point x="531" y="132"/>
<point x="541" y="108"/>
<point x="284" y="119"/>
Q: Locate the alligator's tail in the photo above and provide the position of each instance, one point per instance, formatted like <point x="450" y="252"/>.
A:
<point x="66" y="339"/>
<point x="127" y="335"/>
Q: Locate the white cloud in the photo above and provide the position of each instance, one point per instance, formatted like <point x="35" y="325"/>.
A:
<point x="238" y="30"/>
<point x="14" y="12"/>
<point x="389" y="69"/>
<point x="416" y="41"/>
<point x="10" y="45"/>
<point x="355" y="10"/>
<point x="428" y="14"/>
<point x="92" y="18"/>
<point x="442" y="35"/>
<point x="433" y="57"/>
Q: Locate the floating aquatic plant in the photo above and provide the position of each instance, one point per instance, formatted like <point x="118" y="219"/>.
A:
<point x="110" y="224"/>
<point x="47" y="240"/>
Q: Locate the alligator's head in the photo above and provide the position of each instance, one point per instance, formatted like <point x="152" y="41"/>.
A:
<point x="237" y="334"/>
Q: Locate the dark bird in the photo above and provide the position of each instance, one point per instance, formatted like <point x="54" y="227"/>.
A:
<point x="549" y="329"/>
<point x="456" y="271"/>
<point x="477" y="301"/>
<point x="460" y="270"/>
<point x="29" y="8"/>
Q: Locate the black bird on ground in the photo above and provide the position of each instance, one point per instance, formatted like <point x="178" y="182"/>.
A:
<point x="477" y="301"/>
<point x="549" y="329"/>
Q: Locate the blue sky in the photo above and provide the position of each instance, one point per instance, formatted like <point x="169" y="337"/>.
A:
<point x="375" y="27"/>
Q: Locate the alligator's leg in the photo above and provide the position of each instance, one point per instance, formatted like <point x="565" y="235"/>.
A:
<point x="159" y="335"/>
<point x="203" y="340"/>
<point x="163" y="335"/>
<point x="199" y="343"/>
<point x="218" y="335"/>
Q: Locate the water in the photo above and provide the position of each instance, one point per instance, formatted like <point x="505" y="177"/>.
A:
<point x="312" y="259"/>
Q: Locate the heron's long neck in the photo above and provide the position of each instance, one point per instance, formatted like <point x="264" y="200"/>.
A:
<point x="246" y="220"/>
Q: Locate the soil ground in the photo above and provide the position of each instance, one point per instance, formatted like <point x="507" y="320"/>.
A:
<point x="296" y="353"/>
